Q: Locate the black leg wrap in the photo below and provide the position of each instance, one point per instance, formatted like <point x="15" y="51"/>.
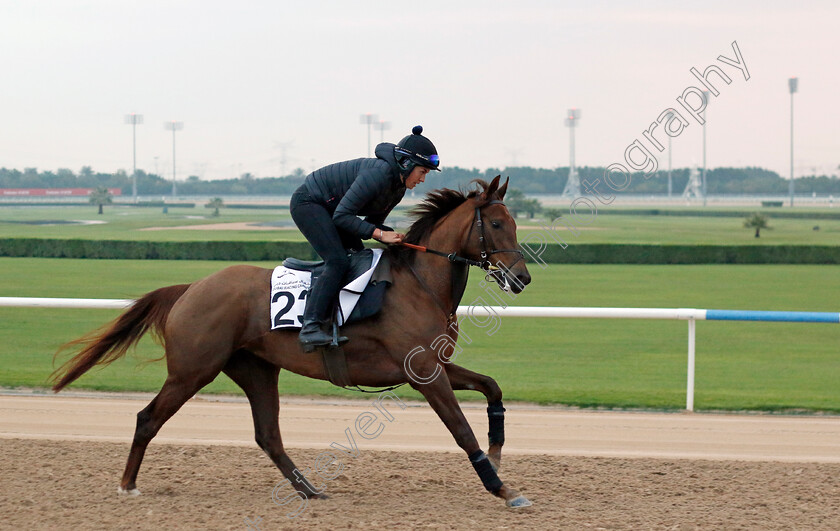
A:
<point x="496" y="416"/>
<point x="485" y="472"/>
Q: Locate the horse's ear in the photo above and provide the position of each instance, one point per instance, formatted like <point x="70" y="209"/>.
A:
<point x="503" y="189"/>
<point x="494" y="186"/>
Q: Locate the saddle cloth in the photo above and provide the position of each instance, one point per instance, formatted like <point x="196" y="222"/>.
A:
<point x="361" y="297"/>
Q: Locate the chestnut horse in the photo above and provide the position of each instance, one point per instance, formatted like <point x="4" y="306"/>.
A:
<point x="221" y="324"/>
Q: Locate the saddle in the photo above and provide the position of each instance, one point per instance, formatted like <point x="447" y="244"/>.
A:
<point x="370" y="296"/>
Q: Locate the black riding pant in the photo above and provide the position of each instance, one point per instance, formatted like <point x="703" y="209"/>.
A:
<point x="315" y="222"/>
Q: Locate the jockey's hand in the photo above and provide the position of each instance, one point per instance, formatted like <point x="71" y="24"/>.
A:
<point x="390" y="237"/>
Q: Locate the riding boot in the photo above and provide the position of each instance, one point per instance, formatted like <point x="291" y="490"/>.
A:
<point x="312" y="334"/>
<point x="316" y="316"/>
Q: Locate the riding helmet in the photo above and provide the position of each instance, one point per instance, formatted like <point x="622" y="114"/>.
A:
<point x="417" y="150"/>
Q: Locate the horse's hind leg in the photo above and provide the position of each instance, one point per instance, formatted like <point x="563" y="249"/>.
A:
<point x="464" y="379"/>
<point x="258" y="379"/>
<point x="174" y="393"/>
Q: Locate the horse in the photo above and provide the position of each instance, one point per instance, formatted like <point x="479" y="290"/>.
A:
<point x="221" y="324"/>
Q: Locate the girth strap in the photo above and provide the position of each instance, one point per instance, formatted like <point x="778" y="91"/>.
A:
<point x="335" y="365"/>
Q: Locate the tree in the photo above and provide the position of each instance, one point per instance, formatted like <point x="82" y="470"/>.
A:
<point x="100" y="196"/>
<point x="757" y="221"/>
<point x="516" y="203"/>
<point x="532" y="206"/>
<point x="552" y="213"/>
<point x="215" y="203"/>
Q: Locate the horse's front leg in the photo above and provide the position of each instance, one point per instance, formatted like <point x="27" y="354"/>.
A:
<point x="438" y="392"/>
<point x="463" y="379"/>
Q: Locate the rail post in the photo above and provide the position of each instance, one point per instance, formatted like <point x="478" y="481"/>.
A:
<point x="689" y="386"/>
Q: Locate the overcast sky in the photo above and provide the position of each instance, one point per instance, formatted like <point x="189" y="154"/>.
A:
<point x="490" y="81"/>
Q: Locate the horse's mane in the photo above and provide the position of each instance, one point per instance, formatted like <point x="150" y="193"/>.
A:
<point x="436" y="205"/>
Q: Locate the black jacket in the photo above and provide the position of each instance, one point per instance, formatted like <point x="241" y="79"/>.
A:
<point x="359" y="187"/>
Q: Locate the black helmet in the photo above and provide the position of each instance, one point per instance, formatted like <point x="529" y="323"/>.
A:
<point x="417" y="150"/>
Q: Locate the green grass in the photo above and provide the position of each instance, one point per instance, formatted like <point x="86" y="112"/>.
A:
<point x="125" y="223"/>
<point x="584" y="362"/>
<point x="691" y="230"/>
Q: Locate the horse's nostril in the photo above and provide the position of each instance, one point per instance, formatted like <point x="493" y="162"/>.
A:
<point x="524" y="279"/>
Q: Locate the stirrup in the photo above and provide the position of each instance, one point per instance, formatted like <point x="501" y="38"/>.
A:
<point x="337" y="340"/>
<point x="315" y="344"/>
<point x="312" y="339"/>
<point x="320" y="339"/>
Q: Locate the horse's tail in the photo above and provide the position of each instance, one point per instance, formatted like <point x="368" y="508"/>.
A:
<point x="111" y="342"/>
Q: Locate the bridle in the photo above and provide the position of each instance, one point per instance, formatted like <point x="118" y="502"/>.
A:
<point x="484" y="263"/>
<point x="491" y="271"/>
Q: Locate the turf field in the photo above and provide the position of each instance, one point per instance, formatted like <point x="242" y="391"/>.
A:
<point x="127" y="223"/>
<point x="585" y="362"/>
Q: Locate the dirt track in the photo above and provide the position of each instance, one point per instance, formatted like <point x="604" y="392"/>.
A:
<point x="62" y="458"/>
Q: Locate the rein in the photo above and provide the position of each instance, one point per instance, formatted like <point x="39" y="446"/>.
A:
<point x="484" y="263"/>
<point x="453" y="258"/>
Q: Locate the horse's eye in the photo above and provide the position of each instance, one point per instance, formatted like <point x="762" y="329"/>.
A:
<point x="495" y="224"/>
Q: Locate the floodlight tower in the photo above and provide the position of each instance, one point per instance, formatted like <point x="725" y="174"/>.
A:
<point x="368" y="119"/>
<point x="572" y="188"/>
<point x="793" y="85"/>
<point x="669" y="117"/>
<point x="283" y="147"/>
<point x="670" y="181"/>
<point x="694" y="187"/>
<point x="705" y="105"/>
<point x="382" y="126"/>
<point x="134" y="120"/>
<point x="173" y="126"/>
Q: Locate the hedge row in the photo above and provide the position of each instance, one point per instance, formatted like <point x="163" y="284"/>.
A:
<point x="552" y="254"/>
<point x="686" y="254"/>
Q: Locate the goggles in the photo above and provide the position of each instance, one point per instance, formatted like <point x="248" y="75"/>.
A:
<point x="431" y="161"/>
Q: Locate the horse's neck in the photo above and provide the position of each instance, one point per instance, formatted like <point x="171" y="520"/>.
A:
<point x="437" y="272"/>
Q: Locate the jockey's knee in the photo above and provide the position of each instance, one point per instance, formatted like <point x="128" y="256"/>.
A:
<point x="339" y="265"/>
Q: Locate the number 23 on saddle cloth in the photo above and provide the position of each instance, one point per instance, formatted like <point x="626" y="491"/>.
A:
<point x="362" y="295"/>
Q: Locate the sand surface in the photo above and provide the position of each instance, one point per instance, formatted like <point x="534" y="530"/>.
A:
<point x="62" y="457"/>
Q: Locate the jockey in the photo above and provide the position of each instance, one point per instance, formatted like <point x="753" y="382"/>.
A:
<point x="326" y="209"/>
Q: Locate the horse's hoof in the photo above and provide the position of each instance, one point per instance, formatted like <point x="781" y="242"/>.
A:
<point x="518" y="502"/>
<point x="124" y="492"/>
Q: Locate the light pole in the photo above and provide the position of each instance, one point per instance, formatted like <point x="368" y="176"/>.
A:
<point x="793" y="85"/>
<point x="283" y="147"/>
<point x="670" y="186"/>
<point x="705" y="105"/>
<point x="669" y="117"/>
<point x="382" y="126"/>
<point x="173" y="126"/>
<point x="572" y="188"/>
<point x="368" y="119"/>
<point x="134" y="120"/>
